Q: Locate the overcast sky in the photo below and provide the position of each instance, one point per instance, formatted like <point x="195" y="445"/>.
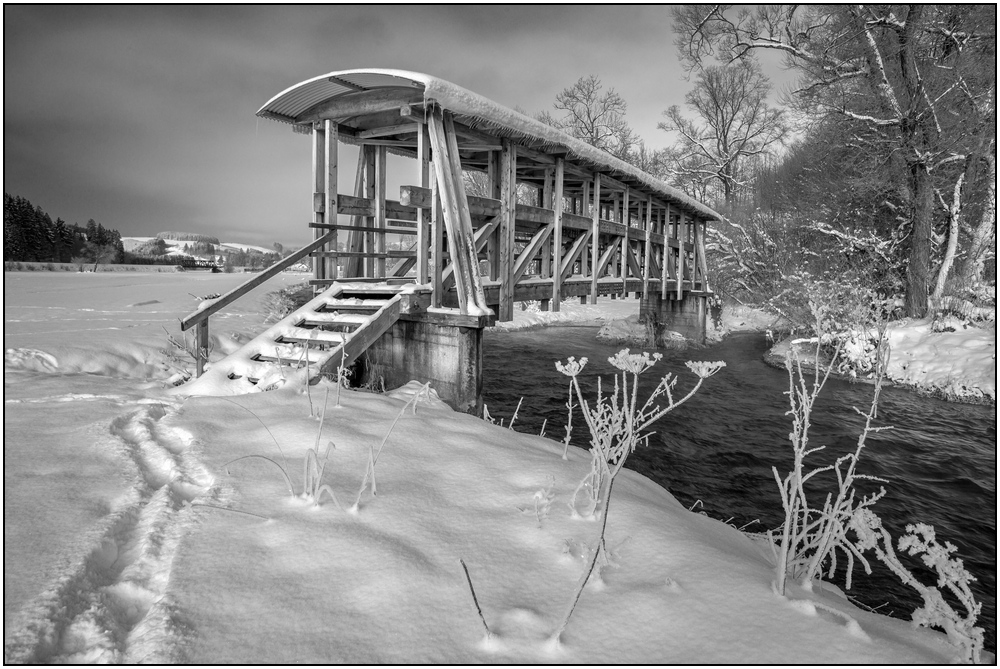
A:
<point x="142" y="118"/>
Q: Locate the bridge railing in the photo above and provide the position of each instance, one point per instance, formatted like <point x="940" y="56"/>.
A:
<point x="200" y="317"/>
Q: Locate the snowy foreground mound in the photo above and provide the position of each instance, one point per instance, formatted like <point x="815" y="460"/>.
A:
<point x="284" y="580"/>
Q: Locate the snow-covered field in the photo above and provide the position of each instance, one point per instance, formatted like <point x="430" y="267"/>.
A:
<point x="127" y="537"/>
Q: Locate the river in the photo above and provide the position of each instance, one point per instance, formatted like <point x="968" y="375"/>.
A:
<point x="717" y="450"/>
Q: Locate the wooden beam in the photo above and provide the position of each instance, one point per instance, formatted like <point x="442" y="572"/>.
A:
<point x="665" y="266"/>
<point x="450" y="206"/>
<point x="681" y="260"/>
<point x="546" y="268"/>
<point x="361" y="102"/>
<point x="529" y="252"/>
<point x="575" y="251"/>
<point x="404" y="128"/>
<point x="466" y="246"/>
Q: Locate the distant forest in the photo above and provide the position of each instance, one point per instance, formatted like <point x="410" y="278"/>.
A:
<point x="30" y="235"/>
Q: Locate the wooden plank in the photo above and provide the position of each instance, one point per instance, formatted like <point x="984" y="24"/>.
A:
<point x="366" y="254"/>
<point x="389" y="229"/>
<point x="360" y="103"/>
<point x="595" y="237"/>
<point x="437" y="245"/>
<point x="370" y="177"/>
<point x="415" y="196"/>
<point x="703" y="255"/>
<point x="623" y="268"/>
<point x="257" y="279"/>
<point x="606" y="257"/>
<point x="505" y="239"/>
<point x="493" y="249"/>
<point x="350" y="205"/>
<point x="557" y="233"/>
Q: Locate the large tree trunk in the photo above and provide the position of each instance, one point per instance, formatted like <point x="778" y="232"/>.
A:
<point x="920" y="243"/>
<point x="985" y="232"/>
<point x="954" y="224"/>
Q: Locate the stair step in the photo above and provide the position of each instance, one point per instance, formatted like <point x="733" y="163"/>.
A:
<point x="353" y="308"/>
<point x="327" y="325"/>
<point x="314" y="337"/>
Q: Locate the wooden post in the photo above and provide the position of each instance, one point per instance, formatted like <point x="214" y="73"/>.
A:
<point x="319" y="195"/>
<point x="681" y="254"/>
<point x="380" y="210"/>
<point x="330" y="187"/>
<point x="201" y="344"/>
<point x="665" y="273"/>
<point x="492" y="244"/>
<point x="466" y="238"/>
<point x="703" y="254"/>
<point x="546" y="268"/>
<point x="369" y="176"/>
<point x="584" y="203"/>
<point x="423" y="215"/>
<point x="437" y="242"/>
<point x="505" y="239"/>
<point x="648" y="255"/>
<point x="626" y="219"/>
<point x="557" y="243"/>
<point x="595" y="235"/>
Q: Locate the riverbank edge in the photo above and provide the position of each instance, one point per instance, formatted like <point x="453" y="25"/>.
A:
<point x="775" y="357"/>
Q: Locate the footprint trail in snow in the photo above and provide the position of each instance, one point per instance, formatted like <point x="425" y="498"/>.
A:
<point x="109" y="605"/>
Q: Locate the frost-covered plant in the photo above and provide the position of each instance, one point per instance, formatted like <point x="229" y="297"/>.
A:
<point x="811" y="535"/>
<point x="617" y="424"/>
<point x="373" y="454"/>
<point x="920" y="540"/>
<point x="313" y="487"/>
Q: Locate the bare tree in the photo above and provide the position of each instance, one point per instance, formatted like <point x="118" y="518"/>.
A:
<point x="596" y="118"/>
<point x="912" y="75"/>
<point x="736" y="123"/>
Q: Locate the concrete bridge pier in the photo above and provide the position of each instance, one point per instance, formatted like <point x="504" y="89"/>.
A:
<point x="445" y="351"/>
<point x="688" y="316"/>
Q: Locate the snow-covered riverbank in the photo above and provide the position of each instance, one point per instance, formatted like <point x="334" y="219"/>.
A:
<point x="180" y="555"/>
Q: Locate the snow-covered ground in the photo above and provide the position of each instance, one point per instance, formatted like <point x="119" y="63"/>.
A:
<point x="128" y="537"/>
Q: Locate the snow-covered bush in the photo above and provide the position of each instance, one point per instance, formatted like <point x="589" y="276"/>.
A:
<point x="846" y="315"/>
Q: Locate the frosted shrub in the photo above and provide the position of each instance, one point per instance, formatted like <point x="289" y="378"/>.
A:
<point x="811" y="535"/>
<point x="616" y="424"/>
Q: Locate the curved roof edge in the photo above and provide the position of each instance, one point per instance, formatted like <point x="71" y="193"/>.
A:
<point x="287" y="105"/>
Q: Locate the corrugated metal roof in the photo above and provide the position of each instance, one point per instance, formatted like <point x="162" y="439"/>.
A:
<point x="292" y="102"/>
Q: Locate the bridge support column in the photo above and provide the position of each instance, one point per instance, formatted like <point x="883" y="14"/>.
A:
<point x="429" y="349"/>
<point x="687" y="315"/>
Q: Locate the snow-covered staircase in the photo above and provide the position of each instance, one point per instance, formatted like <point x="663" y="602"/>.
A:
<point x="335" y="327"/>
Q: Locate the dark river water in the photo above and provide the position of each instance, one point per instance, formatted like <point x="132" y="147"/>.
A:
<point x="939" y="459"/>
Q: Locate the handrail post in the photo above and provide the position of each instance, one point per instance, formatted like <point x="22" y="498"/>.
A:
<point x="201" y="347"/>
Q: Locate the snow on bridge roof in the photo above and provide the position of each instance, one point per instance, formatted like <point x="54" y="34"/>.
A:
<point x="476" y="111"/>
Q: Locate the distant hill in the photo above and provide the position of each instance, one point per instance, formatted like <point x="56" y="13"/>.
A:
<point x="188" y="237"/>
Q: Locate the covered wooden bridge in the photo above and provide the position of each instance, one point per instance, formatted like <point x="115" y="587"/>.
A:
<point x="493" y="208"/>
